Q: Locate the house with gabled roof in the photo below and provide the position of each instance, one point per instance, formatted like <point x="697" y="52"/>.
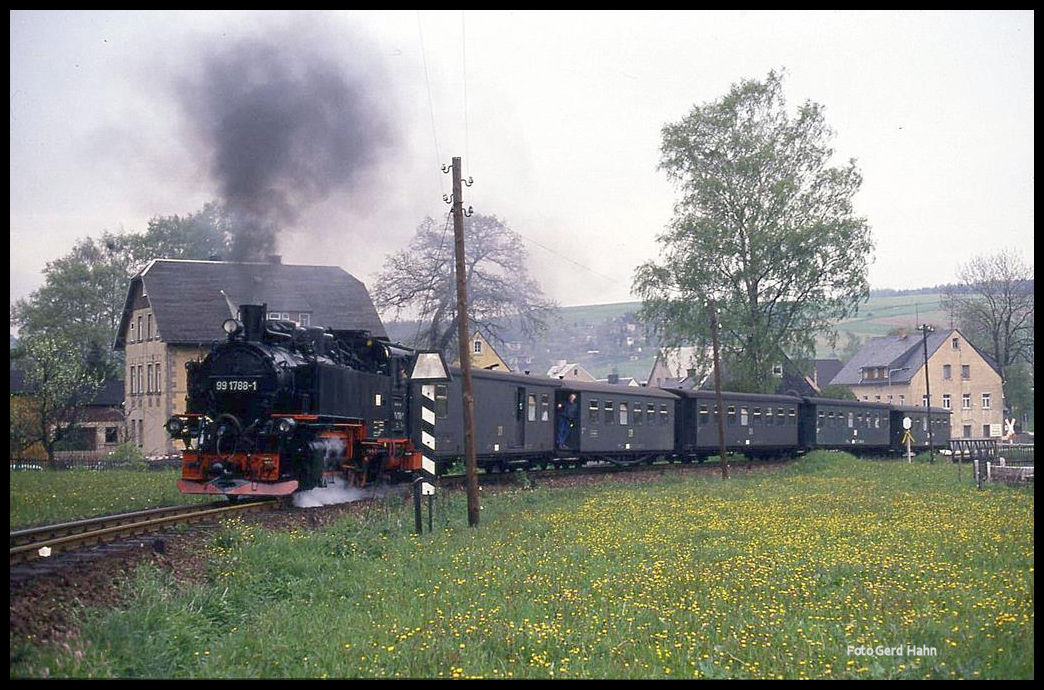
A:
<point x="174" y="311"/>
<point x="960" y="378"/>
<point x="681" y="367"/>
<point x="484" y="355"/>
<point x="571" y="371"/>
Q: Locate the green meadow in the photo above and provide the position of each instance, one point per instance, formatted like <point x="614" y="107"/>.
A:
<point x="46" y="497"/>
<point x="831" y="568"/>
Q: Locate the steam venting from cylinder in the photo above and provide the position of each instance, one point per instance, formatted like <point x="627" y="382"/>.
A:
<point x="331" y="450"/>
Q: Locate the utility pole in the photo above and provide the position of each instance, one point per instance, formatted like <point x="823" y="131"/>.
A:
<point x="717" y="390"/>
<point x="464" y="337"/>
<point x="925" y="330"/>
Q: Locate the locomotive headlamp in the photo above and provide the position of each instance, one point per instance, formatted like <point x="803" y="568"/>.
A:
<point x="175" y="426"/>
<point x="231" y="326"/>
<point x="285" y="425"/>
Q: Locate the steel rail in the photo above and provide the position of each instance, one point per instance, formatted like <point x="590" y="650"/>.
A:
<point x="43" y="541"/>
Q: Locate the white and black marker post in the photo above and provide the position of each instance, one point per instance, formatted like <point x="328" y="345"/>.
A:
<point x="428" y="369"/>
<point x="423" y="484"/>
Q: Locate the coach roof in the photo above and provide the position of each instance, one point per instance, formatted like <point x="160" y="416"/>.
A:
<point x="189" y="307"/>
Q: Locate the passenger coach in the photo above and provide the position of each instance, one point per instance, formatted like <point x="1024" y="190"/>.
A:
<point x="619" y="423"/>
<point x="757" y="425"/>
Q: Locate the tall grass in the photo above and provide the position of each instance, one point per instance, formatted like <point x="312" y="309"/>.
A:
<point x="782" y="575"/>
<point x="48" y="497"/>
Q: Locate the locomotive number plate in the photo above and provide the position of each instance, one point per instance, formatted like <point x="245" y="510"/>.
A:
<point x="235" y="385"/>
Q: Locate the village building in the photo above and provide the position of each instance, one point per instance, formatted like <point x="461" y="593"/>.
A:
<point x="960" y="377"/>
<point x="484" y="356"/>
<point x="99" y="425"/>
<point x="690" y="368"/>
<point x="570" y="371"/>
<point x="174" y="311"/>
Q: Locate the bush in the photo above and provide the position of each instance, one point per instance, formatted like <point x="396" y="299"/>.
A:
<point x="125" y="451"/>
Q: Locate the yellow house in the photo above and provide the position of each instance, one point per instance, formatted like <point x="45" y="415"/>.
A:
<point x="483" y="356"/>
<point x="960" y="378"/>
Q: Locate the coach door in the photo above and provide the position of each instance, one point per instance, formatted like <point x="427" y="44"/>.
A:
<point x="520" y="417"/>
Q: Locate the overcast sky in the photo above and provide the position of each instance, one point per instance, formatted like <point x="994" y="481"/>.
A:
<point x="556" y="115"/>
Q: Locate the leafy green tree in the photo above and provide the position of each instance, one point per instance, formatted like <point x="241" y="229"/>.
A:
<point x="764" y="226"/>
<point x="82" y="298"/>
<point x="57" y="388"/>
<point x="838" y="392"/>
<point x="421" y="280"/>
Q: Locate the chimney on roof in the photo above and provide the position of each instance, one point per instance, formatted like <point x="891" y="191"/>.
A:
<point x="614" y="378"/>
<point x="275" y="259"/>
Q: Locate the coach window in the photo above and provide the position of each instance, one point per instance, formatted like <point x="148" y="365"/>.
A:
<point x="744" y="417"/>
<point x="650" y="412"/>
<point x="757" y="415"/>
<point x="732" y="415"/>
<point x="531" y="408"/>
<point x="924" y="424"/>
<point x="704" y="415"/>
<point x="608" y="411"/>
<point x="592" y="412"/>
<point x="545" y="407"/>
<point x="781" y="416"/>
<point x="877" y="422"/>
<point x="623" y="414"/>
<point x="664" y="415"/>
<point x="851" y="420"/>
<point x="639" y="418"/>
<point x="792" y="413"/>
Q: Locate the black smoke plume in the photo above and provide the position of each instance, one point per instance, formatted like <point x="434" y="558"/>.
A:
<point x="285" y="120"/>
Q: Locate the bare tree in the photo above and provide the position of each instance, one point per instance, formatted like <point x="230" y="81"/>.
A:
<point x="420" y="281"/>
<point x="993" y="305"/>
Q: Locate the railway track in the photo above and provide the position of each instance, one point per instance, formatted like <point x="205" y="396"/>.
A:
<point x="43" y="542"/>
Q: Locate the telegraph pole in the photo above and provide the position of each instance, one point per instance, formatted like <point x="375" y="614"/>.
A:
<point x="464" y="336"/>
<point x="717" y="390"/>
<point x="925" y="330"/>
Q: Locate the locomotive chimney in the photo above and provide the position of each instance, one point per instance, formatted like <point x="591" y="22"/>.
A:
<point x="253" y="318"/>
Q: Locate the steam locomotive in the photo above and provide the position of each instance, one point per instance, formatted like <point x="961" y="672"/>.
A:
<point x="278" y="408"/>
